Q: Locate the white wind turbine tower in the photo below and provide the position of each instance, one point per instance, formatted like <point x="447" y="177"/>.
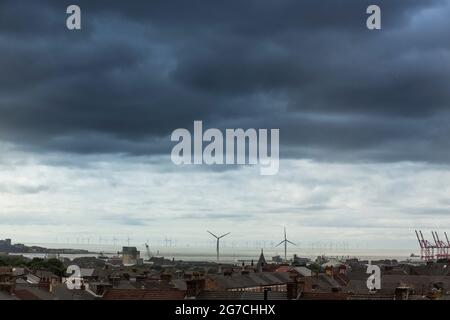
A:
<point x="218" y="241"/>
<point x="285" y="241"/>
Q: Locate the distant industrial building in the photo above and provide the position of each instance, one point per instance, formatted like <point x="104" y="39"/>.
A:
<point x="131" y="256"/>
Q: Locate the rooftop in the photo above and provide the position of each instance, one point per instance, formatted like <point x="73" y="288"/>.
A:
<point x="136" y="294"/>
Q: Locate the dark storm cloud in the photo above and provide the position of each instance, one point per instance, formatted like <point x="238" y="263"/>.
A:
<point x="138" y="70"/>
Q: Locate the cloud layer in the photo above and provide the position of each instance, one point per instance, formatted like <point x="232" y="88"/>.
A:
<point x="137" y="71"/>
<point x="86" y="116"/>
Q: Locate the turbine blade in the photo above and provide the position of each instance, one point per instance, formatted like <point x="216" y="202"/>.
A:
<point x="280" y="243"/>
<point x="212" y="234"/>
<point x="291" y="242"/>
<point x="224" y="235"/>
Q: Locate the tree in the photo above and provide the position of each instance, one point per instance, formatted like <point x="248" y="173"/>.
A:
<point x="52" y="265"/>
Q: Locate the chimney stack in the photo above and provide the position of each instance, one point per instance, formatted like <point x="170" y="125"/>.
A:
<point x="194" y="287"/>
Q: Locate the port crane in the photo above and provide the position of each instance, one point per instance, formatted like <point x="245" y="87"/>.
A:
<point x="426" y="248"/>
<point x="430" y="252"/>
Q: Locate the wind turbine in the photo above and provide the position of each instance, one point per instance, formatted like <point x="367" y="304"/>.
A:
<point x="218" y="241"/>
<point x="285" y="241"/>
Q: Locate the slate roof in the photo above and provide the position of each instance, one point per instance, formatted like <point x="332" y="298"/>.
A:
<point x="325" y="283"/>
<point x="324" y="296"/>
<point x="59" y="292"/>
<point x="25" y="295"/>
<point x="18" y="271"/>
<point x="179" y="284"/>
<point x="419" y="283"/>
<point x="45" y="274"/>
<point x="250" y="280"/>
<point x="32" y="292"/>
<point x="390" y="282"/>
<point x="304" y="271"/>
<point x="284" y="269"/>
<point x="356" y="286"/>
<point x="371" y="296"/>
<point x="136" y="294"/>
<point x="87" y="272"/>
<point x="240" y="295"/>
<point x="31" y="278"/>
<point x="435" y="269"/>
<point x="153" y="285"/>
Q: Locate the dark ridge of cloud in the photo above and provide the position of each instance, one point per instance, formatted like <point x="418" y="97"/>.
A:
<point x="139" y="70"/>
<point x="217" y="216"/>
<point x="252" y="17"/>
<point x="126" y="220"/>
<point x="21" y="189"/>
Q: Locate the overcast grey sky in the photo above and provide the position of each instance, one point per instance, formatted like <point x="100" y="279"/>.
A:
<point x="86" y="118"/>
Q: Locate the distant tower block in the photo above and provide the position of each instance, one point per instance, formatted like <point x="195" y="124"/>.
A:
<point x="130" y="256"/>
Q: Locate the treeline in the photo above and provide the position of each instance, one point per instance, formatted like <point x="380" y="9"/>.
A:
<point x="52" y="265"/>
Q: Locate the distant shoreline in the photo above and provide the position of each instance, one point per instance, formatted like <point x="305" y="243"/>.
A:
<point x="6" y="246"/>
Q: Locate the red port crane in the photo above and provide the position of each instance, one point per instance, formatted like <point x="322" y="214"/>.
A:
<point x="426" y="248"/>
<point x="442" y="247"/>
